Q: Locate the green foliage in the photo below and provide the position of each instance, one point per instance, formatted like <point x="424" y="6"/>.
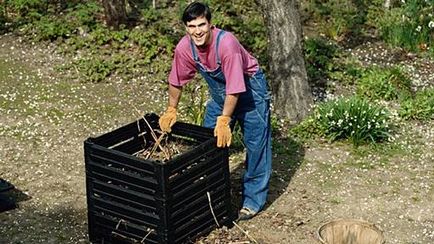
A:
<point x="325" y="61"/>
<point x="421" y="107"/>
<point x="194" y="100"/>
<point x="51" y="28"/>
<point x="3" y="18"/>
<point x="84" y="14"/>
<point x="409" y="25"/>
<point x="244" y="19"/>
<point x="384" y="83"/>
<point x="319" y="55"/>
<point x="354" y="119"/>
<point x="237" y="137"/>
<point x="339" y="18"/>
<point x="78" y="28"/>
<point x="305" y="130"/>
<point x="79" y="19"/>
<point x="27" y="10"/>
<point x="346" y="70"/>
<point x="95" y="69"/>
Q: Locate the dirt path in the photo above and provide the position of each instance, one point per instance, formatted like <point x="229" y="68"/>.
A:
<point x="46" y="116"/>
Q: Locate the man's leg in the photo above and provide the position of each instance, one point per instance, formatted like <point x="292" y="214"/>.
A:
<point x="257" y="138"/>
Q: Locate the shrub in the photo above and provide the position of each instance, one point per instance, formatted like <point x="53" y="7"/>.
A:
<point x="346" y="70"/>
<point x="84" y="14"/>
<point x="354" y="119"/>
<point x="306" y="129"/>
<point x="319" y="54"/>
<point x="76" y="19"/>
<point x="245" y="20"/>
<point x="95" y="69"/>
<point x="339" y="18"/>
<point x="27" y="10"/>
<point x="420" y="107"/>
<point x="2" y="18"/>
<point x="384" y="83"/>
<point x="49" y="28"/>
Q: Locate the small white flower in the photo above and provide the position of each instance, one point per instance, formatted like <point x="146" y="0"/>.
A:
<point x="418" y="28"/>
<point x="403" y="1"/>
<point x="431" y="24"/>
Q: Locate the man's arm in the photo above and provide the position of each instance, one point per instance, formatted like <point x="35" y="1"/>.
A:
<point x="174" y="95"/>
<point x="230" y="103"/>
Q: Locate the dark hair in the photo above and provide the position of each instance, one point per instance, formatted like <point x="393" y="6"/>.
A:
<point x="195" y="10"/>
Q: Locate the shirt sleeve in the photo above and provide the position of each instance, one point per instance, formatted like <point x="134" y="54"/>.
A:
<point x="183" y="67"/>
<point x="232" y="64"/>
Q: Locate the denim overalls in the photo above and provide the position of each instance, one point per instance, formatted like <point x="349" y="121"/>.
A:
<point x="253" y="114"/>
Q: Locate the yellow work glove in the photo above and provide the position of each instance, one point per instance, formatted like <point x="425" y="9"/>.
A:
<point x="168" y="119"/>
<point x="223" y="131"/>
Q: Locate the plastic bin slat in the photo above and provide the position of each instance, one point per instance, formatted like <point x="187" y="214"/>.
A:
<point x="132" y="146"/>
<point x="149" y="189"/>
<point x="125" y="212"/>
<point x="202" y="185"/>
<point x="134" y="231"/>
<point x="194" y="131"/>
<point x="183" y="210"/>
<point x="125" y="196"/>
<point x="216" y="193"/>
<point x="125" y="132"/>
<point x="197" y="171"/>
<point x="94" y="159"/>
<point x="115" y="164"/>
<point x="115" y="238"/>
<point x="115" y="206"/>
<point x="179" y="163"/>
<point x="196" y="208"/>
<point x="122" y="192"/>
<point x="120" y="174"/>
<point x="203" y="222"/>
<point x="201" y="191"/>
<point x="123" y="159"/>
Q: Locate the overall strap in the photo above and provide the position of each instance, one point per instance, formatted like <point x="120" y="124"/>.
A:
<point x="194" y="52"/>
<point x="219" y="36"/>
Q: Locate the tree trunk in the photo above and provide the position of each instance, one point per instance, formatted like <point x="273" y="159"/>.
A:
<point x="287" y="75"/>
<point x="115" y="12"/>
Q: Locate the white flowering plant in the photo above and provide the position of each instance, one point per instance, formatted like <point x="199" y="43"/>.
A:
<point x="410" y="25"/>
<point x="355" y="119"/>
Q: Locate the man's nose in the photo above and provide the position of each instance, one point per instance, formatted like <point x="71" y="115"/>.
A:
<point x="197" y="29"/>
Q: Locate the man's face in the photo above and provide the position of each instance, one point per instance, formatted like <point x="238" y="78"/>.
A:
<point x="199" y="30"/>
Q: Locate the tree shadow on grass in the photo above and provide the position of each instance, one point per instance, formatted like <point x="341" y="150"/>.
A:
<point x="288" y="155"/>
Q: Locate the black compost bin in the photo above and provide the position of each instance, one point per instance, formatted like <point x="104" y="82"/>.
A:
<point x="132" y="199"/>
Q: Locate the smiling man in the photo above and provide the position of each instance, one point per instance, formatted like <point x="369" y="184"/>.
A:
<point x="238" y="93"/>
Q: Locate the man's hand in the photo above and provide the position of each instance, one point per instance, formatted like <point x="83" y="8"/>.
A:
<point x="168" y="119"/>
<point x="223" y="131"/>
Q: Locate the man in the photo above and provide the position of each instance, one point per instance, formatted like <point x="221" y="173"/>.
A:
<point x="238" y="92"/>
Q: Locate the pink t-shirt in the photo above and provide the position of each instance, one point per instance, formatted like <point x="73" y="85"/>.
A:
<point x="235" y="61"/>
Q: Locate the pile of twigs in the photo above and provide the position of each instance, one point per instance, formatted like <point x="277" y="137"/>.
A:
<point x="162" y="148"/>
